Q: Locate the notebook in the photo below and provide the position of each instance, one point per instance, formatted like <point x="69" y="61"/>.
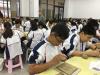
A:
<point x="67" y="69"/>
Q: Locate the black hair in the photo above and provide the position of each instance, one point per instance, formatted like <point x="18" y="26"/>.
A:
<point x="61" y="30"/>
<point x="8" y="33"/>
<point x="89" y="30"/>
<point x="18" y="21"/>
<point x="50" y="21"/>
<point x="33" y="25"/>
<point x="27" y="18"/>
<point x="41" y="24"/>
<point x="36" y="20"/>
<point x="93" y="23"/>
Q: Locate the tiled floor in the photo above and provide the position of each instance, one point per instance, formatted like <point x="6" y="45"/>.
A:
<point x="16" y="71"/>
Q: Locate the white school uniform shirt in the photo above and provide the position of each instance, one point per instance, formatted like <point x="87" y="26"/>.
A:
<point x="73" y="29"/>
<point x="98" y="32"/>
<point x="37" y="37"/>
<point x="80" y="26"/>
<point x="47" y="33"/>
<point x="13" y="44"/>
<point x="27" y="26"/>
<point x="43" y="52"/>
<point x="73" y="43"/>
<point x="20" y="28"/>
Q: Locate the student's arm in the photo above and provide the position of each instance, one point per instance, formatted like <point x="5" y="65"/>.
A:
<point x="93" y="46"/>
<point x="92" y="53"/>
<point x="30" y="35"/>
<point x="37" y="68"/>
<point x="77" y="53"/>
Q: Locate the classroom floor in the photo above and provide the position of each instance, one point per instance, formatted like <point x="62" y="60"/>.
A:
<point x="16" y="71"/>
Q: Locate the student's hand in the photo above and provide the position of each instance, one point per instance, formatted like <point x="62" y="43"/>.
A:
<point x="98" y="45"/>
<point x="59" y="58"/>
<point x="95" y="53"/>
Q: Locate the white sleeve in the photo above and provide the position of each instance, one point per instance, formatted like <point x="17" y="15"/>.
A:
<point x="3" y="40"/>
<point x="98" y="33"/>
<point x="30" y="35"/>
<point x="21" y="34"/>
<point x="24" y="24"/>
<point x="70" y="45"/>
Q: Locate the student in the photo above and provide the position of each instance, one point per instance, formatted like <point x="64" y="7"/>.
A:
<point x="75" y="44"/>
<point x="73" y="28"/>
<point x="27" y="24"/>
<point x="1" y="31"/>
<point x="18" y="25"/>
<point x="45" y="54"/>
<point x="11" y="39"/>
<point x="35" y="35"/>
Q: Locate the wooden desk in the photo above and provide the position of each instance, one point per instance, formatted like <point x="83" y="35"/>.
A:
<point x="79" y="62"/>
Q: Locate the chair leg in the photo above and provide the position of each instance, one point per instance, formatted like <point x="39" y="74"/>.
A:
<point x="10" y="66"/>
<point x="20" y="61"/>
<point x="26" y="56"/>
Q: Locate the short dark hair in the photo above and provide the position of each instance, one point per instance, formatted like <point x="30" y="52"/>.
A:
<point x="17" y="21"/>
<point x="33" y="25"/>
<point x="93" y="23"/>
<point x="89" y="30"/>
<point x="27" y="18"/>
<point x="61" y="30"/>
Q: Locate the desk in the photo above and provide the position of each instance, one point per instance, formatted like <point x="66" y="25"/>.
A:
<point x="79" y="62"/>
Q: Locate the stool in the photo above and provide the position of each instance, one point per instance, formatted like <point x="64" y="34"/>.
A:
<point x="10" y="65"/>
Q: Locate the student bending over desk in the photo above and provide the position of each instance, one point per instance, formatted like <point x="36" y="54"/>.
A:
<point x="45" y="54"/>
<point x="76" y="43"/>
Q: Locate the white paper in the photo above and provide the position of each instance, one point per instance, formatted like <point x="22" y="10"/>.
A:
<point x="95" y="65"/>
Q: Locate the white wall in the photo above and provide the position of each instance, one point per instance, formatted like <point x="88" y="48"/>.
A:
<point x="24" y="8"/>
<point x="83" y="8"/>
<point x="34" y="8"/>
<point x="66" y="8"/>
<point x="29" y="8"/>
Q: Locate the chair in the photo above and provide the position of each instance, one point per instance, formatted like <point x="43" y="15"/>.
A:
<point x="27" y="53"/>
<point x="1" y="63"/>
<point x="10" y="64"/>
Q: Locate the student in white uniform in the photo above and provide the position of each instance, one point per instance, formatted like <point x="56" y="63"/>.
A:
<point x="74" y="28"/>
<point x="11" y="39"/>
<point x="42" y="26"/>
<point x="45" y="54"/>
<point x="35" y="35"/>
<point x="96" y="38"/>
<point x="27" y="24"/>
<point x="80" y="26"/>
<point x="75" y="45"/>
<point x="18" y="25"/>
